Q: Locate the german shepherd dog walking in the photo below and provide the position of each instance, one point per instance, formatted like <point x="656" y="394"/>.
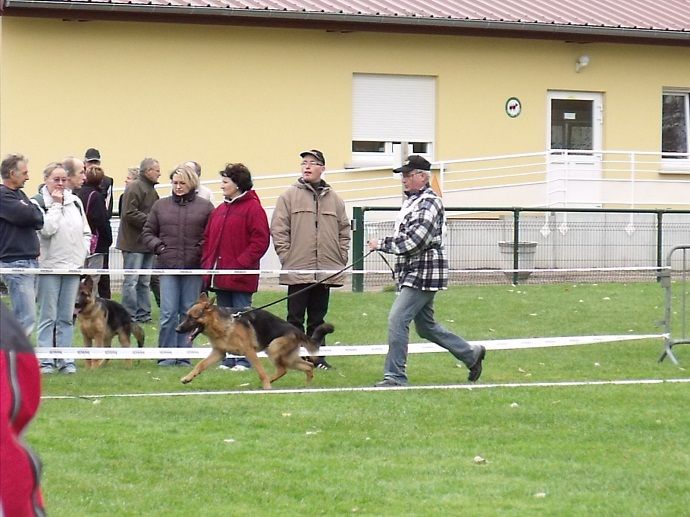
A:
<point x="247" y="334"/>
<point x="101" y="319"/>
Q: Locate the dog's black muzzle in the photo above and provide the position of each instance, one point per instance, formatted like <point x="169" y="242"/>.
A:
<point x="194" y="328"/>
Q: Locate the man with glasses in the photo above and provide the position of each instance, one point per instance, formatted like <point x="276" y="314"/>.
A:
<point x="421" y="271"/>
<point x="19" y="246"/>
<point x="310" y="231"/>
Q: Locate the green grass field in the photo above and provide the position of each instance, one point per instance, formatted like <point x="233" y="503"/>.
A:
<point x="135" y="441"/>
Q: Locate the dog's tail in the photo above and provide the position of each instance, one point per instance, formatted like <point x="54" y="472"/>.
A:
<point x="317" y="339"/>
<point x="139" y="334"/>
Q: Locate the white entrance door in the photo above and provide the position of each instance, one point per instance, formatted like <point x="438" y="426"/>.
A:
<point x="575" y="123"/>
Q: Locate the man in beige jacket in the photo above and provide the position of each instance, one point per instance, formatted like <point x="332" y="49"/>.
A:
<point x="311" y="231"/>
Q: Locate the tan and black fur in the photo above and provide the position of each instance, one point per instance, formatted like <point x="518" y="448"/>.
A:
<point x="247" y="334"/>
<point x="100" y="320"/>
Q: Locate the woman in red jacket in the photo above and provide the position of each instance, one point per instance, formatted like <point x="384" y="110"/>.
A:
<point x="236" y="237"/>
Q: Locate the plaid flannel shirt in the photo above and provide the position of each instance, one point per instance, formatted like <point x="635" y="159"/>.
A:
<point x="418" y="243"/>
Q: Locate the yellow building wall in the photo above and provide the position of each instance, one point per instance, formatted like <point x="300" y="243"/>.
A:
<point x="219" y="94"/>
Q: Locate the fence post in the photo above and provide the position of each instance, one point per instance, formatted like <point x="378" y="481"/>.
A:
<point x="516" y="244"/>
<point x="659" y="240"/>
<point x="358" y="248"/>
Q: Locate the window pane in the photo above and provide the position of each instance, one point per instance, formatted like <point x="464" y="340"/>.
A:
<point x="674" y="129"/>
<point x="571" y="124"/>
<point x="420" y="147"/>
<point x="360" y="146"/>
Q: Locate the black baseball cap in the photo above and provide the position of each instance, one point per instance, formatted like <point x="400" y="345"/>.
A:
<point x="92" y="155"/>
<point x="414" y="162"/>
<point x="316" y="154"/>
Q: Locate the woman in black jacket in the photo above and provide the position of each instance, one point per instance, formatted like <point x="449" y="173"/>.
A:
<point x="97" y="216"/>
<point x="174" y="231"/>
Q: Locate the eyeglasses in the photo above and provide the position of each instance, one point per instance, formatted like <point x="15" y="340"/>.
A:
<point x="311" y="163"/>
<point x="409" y="174"/>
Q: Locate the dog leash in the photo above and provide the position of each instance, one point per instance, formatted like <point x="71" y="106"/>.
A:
<point x="311" y="286"/>
<point x="382" y="257"/>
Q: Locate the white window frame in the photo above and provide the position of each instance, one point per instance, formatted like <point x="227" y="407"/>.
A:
<point x="678" y="164"/>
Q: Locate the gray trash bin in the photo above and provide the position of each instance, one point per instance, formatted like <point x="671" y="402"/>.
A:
<point x="525" y="251"/>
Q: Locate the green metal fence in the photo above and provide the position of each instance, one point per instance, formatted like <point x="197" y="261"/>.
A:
<point x="489" y="245"/>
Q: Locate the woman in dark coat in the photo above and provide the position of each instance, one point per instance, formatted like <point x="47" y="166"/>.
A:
<point x="97" y="216"/>
<point x="174" y="231"/>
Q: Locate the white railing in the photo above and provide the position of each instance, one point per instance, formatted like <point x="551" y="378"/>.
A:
<point x="624" y="179"/>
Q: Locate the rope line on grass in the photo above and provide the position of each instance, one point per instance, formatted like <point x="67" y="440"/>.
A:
<point x="468" y="387"/>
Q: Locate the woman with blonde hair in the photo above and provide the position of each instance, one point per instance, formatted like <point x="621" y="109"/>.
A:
<point x="65" y="239"/>
<point x="174" y="231"/>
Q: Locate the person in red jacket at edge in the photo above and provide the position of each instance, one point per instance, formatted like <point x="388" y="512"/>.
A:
<point x="20" y="396"/>
<point x="236" y="237"/>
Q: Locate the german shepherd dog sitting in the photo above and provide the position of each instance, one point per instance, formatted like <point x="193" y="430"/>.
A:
<point x="246" y="334"/>
<point x="101" y="319"/>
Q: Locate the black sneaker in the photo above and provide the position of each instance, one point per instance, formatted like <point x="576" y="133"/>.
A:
<point x="323" y="365"/>
<point x="476" y="370"/>
<point x="320" y="362"/>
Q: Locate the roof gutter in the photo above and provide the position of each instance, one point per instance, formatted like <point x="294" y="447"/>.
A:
<point x="363" y="22"/>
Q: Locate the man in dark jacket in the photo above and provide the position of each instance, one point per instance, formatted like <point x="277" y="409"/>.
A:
<point x="19" y="247"/>
<point x="138" y="198"/>
<point x="20" y="396"/>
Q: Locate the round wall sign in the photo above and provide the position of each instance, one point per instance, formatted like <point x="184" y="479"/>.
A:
<point x="513" y="107"/>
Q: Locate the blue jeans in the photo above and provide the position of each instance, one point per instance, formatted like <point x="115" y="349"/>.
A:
<point x="178" y="294"/>
<point x="56" y="297"/>
<point x="237" y="300"/>
<point x="136" y="289"/>
<point x="22" y="290"/>
<point x="415" y="304"/>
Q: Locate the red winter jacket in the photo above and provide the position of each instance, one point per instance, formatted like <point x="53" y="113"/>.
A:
<point x="20" y="396"/>
<point x="236" y="237"/>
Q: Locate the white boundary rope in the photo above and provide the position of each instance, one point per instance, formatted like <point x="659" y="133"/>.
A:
<point x="468" y="387"/>
<point x="273" y="272"/>
<point x="331" y="351"/>
<point x="163" y="353"/>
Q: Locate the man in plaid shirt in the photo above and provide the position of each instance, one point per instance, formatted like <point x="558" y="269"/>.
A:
<point x="421" y="271"/>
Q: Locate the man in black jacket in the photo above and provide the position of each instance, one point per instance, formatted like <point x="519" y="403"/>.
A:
<point x="19" y="247"/>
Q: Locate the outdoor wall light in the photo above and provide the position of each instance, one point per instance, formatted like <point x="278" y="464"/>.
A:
<point x="581" y="62"/>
